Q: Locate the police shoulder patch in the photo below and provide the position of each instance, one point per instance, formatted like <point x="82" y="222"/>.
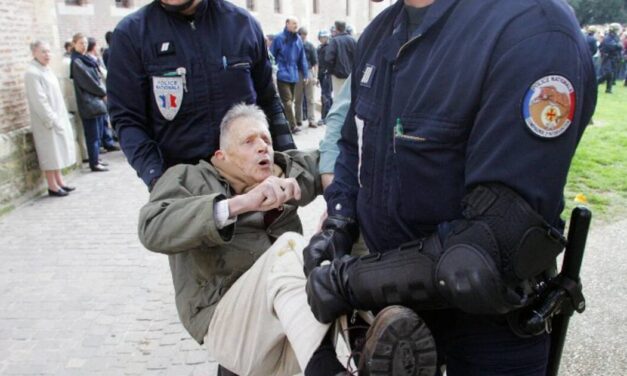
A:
<point x="549" y="106"/>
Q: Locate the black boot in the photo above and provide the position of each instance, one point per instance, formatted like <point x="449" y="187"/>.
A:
<point x="324" y="360"/>
<point x="398" y="343"/>
<point x="224" y="372"/>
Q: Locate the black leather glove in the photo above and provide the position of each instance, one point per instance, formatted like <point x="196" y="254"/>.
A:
<point x="328" y="291"/>
<point x="334" y="241"/>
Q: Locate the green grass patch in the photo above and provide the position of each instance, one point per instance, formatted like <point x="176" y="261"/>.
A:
<point x="599" y="169"/>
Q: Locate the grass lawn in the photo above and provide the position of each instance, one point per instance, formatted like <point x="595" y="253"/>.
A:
<point x="599" y="169"/>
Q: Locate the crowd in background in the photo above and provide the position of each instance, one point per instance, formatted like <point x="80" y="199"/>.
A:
<point x="608" y="46"/>
<point x="83" y="99"/>
<point x="299" y="66"/>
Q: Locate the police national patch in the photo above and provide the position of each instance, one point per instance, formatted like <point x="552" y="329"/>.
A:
<point x="549" y="106"/>
<point x="168" y="92"/>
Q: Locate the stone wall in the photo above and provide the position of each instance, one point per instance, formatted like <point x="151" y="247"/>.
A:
<point x="21" y="22"/>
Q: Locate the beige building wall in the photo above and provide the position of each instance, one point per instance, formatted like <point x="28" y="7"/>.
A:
<point x="96" y="17"/>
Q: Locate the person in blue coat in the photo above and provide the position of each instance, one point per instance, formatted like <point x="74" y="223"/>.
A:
<point x="175" y="68"/>
<point x="463" y="121"/>
<point x="289" y="52"/>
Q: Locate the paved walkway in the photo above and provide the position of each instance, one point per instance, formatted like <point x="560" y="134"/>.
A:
<point x="80" y="296"/>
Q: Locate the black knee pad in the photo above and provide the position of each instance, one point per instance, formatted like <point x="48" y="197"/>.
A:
<point x="468" y="279"/>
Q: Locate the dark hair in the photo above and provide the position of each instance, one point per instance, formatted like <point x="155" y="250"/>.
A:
<point x="302" y="31"/>
<point x="91" y="43"/>
<point x="108" y="35"/>
<point x="67" y="44"/>
<point x="340" y="26"/>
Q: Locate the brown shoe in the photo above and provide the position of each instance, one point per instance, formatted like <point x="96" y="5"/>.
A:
<point x="398" y="343"/>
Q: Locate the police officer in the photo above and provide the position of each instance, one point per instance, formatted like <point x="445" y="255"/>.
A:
<point x="175" y="68"/>
<point x="610" y="50"/>
<point x="463" y="122"/>
<point x="324" y="78"/>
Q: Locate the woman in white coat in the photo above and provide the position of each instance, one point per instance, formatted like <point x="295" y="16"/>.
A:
<point x="50" y="124"/>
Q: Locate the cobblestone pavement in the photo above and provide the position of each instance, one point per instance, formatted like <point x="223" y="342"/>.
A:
<point x="80" y="296"/>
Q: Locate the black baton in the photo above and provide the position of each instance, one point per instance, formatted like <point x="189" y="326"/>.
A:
<point x="571" y="266"/>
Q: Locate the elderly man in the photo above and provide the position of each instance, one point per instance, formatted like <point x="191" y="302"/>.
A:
<point x="230" y="228"/>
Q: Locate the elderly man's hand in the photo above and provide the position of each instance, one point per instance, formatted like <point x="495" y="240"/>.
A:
<point x="269" y="194"/>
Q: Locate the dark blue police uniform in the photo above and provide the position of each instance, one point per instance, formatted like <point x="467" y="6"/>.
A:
<point x="481" y="92"/>
<point x="172" y="78"/>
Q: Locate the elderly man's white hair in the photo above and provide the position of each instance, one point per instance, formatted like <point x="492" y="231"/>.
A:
<point x="36" y="44"/>
<point x="239" y="111"/>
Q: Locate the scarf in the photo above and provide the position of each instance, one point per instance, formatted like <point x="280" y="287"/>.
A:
<point x="88" y="61"/>
<point x="236" y="178"/>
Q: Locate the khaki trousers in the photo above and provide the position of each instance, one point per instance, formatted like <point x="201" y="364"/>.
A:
<point x="263" y="324"/>
<point x="286" y="93"/>
<point x="305" y="91"/>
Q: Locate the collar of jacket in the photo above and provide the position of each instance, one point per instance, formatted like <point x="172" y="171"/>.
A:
<point x="289" y="34"/>
<point x="39" y="65"/>
<point x="437" y="10"/>
<point x="216" y="5"/>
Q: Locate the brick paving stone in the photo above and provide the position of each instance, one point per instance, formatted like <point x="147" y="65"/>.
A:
<point x="196" y="357"/>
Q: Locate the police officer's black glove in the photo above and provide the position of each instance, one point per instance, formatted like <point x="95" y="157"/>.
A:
<point x="334" y="241"/>
<point x="328" y="291"/>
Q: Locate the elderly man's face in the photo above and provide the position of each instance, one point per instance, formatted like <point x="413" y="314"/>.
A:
<point x="249" y="147"/>
<point x="42" y="54"/>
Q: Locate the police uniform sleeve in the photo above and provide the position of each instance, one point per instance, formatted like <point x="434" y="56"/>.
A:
<point x="341" y="195"/>
<point x="268" y="98"/>
<point x="538" y="95"/>
<point x="335" y="119"/>
<point x="127" y="93"/>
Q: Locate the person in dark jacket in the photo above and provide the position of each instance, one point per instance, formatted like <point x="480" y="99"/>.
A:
<point x="176" y="67"/>
<point x="339" y="55"/>
<point x="324" y="77"/>
<point x="106" y="134"/>
<point x="105" y="52"/>
<point x="289" y="52"/>
<point x="591" y="40"/>
<point x="610" y="50"/>
<point x="90" y="99"/>
<point x="446" y="169"/>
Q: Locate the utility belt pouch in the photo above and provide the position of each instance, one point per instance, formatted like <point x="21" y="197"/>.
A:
<point x="528" y="245"/>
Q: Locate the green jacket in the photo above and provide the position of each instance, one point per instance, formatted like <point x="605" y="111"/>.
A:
<point x="178" y="220"/>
